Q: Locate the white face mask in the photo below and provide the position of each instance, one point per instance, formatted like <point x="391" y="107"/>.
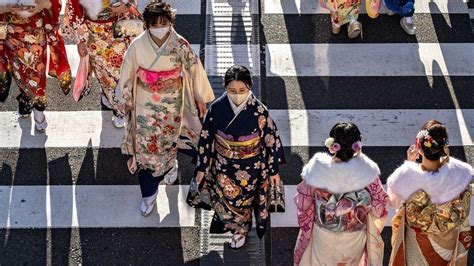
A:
<point x="238" y="99"/>
<point x="159" y="32"/>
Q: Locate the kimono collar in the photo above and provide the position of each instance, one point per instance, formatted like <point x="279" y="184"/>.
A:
<point x="322" y="172"/>
<point x="442" y="186"/>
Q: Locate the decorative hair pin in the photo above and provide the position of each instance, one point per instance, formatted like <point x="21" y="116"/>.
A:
<point x="424" y="137"/>
<point x="334" y="147"/>
<point x="356" y="146"/>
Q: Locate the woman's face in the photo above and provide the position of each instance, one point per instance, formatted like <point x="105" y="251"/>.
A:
<point x="237" y="87"/>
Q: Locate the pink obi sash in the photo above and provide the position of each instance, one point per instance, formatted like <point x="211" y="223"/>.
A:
<point x="157" y="81"/>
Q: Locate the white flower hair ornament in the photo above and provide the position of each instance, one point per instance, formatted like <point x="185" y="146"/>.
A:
<point x="333" y="146"/>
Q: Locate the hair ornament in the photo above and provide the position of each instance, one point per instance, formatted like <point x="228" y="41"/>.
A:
<point x="333" y="146"/>
<point x="356" y="146"/>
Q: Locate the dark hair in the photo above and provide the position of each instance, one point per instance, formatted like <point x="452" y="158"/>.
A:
<point x="345" y="134"/>
<point x="438" y="148"/>
<point x="238" y="73"/>
<point x="156" y="11"/>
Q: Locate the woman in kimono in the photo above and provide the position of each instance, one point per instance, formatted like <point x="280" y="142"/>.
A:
<point x="163" y="84"/>
<point x="239" y="152"/>
<point x="341" y="205"/>
<point x="432" y="198"/>
<point x="32" y="27"/>
<point x="404" y="8"/>
<point x="89" y="24"/>
<point x="344" y="12"/>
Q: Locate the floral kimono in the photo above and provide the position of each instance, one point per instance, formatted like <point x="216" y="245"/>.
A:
<point x="90" y="21"/>
<point x="431" y="226"/>
<point x="24" y="57"/>
<point x="239" y="152"/>
<point x="340" y="206"/>
<point x="161" y="85"/>
<point x="342" y="11"/>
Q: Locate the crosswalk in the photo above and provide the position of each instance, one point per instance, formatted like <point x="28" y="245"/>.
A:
<point x="67" y="197"/>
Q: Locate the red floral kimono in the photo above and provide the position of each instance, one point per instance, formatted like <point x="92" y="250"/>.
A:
<point x="24" y="57"/>
<point x="90" y="21"/>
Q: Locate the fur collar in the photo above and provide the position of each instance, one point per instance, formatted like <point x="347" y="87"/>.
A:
<point x="94" y="7"/>
<point x="356" y="174"/>
<point x="442" y="186"/>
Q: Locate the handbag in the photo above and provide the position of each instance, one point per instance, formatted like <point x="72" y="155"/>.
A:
<point x="277" y="197"/>
<point x="199" y="195"/>
<point x="128" y="28"/>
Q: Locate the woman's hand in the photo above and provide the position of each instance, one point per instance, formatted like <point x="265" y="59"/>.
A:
<point x="119" y="9"/>
<point x="275" y="179"/>
<point x="132" y="165"/>
<point x="412" y="153"/>
<point x="199" y="177"/>
<point x="202" y="109"/>
<point x="82" y="49"/>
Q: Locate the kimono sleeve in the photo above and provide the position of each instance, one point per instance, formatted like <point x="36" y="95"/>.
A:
<point x="379" y="198"/>
<point x="305" y="206"/>
<point x="75" y="29"/>
<point x="206" y="142"/>
<point x="273" y="146"/>
<point x="124" y="90"/>
<point x="200" y="84"/>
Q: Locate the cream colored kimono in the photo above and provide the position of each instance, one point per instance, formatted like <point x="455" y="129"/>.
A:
<point x="161" y="86"/>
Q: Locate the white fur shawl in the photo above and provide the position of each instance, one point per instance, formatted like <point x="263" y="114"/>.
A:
<point x="442" y="186"/>
<point x="356" y="174"/>
<point x="94" y="7"/>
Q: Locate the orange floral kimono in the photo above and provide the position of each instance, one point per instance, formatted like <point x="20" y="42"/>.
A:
<point x="24" y="57"/>
<point x="90" y="21"/>
<point x="431" y="226"/>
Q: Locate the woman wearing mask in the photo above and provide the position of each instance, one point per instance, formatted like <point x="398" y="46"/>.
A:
<point x="341" y="205"/>
<point x="432" y="198"/>
<point x="90" y="24"/>
<point x="30" y="28"/>
<point x="165" y="88"/>
<point x="239" y="152"/>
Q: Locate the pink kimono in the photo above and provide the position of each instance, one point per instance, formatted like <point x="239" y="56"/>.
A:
<point x="341" y="206"/>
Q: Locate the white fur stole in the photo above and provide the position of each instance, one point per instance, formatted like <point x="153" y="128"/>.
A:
<point x="356" y="174"/>
<point x="442" y="186"/>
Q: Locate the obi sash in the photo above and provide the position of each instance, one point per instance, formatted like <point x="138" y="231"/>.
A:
<point x="238" y="149"/>
<point x="154" y="81"/>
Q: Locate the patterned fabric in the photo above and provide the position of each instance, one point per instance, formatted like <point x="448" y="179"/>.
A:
<point x="239" y="184"/>
<point x="25" y="57"/>
<point x="161" y="97"/>
<point x="105" y="52"/>
<point x="434" y="234"/>
<point x="342" y="11"/>
<point x="363" y="210"/>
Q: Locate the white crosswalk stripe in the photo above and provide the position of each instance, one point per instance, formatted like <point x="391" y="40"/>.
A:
<point x="297" y="127"/>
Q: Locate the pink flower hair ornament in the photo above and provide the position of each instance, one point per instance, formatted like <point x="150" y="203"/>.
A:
<point x="356" y="146"/>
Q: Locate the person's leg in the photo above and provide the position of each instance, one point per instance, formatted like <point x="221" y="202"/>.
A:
<point x="149" y="189"/>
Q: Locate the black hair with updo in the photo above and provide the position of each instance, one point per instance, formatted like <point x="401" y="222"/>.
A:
<point x="345" y="134"/>
<point x="158" y="11"/>
<point x="238" y="73"/>
<point x="438" y="148"/>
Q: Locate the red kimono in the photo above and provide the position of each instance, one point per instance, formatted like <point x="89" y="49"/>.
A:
<point x="24" y="57"/>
